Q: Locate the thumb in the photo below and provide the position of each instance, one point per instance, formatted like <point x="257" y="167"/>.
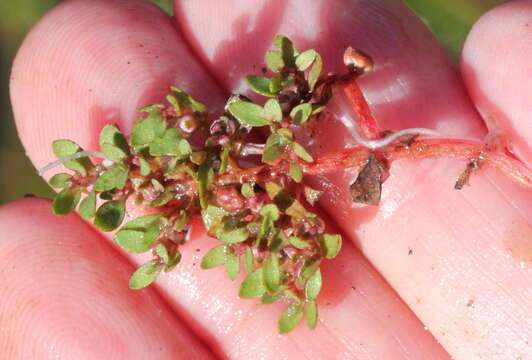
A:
<point x="495" y="64"/>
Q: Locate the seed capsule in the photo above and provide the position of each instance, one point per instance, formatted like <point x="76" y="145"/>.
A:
<point x="357" y="61"/>
<point x="230" y="199"/>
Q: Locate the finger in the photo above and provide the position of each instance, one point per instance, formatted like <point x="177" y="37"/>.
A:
<point x="87" y="64"/>
<point x="65" y="295"/>
<point x="446" y="252"/>
<point x="210" y="305"/>
<point x="495" y="61"/>
<point x="409" y="62"/>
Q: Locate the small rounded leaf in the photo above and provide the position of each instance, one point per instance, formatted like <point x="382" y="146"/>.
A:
<point x="60" y="180"/>
<point x="301" y="152"/>
<point x="272" y="273"/>
<point x="113" y="144"/>
<point x="64" y="147"/>
<point x="313" y="286"/>
<point x="301" y="113"/>
<point x="261" y="85"/>
<point x="312" y="314"/>
<point x="295" y="172"/>
<point x="139" y="234"/>
<point x="232" y="236"/>
<point x="272" y="110"/>
<point x="248" y="113"/>
<point x="298" y="243"/>
<point x="274" y="61"/>
<point x="162" y="252"/>
<point x="66" y="201"/>
<point x="87" y="207"/>
<point x="214" y="257"/>
<point x="145" y="275"/>
<point x="110" y="215"/>
<point x="304" y="59"/>
<point x="253" y="285"/>
<point x="330" y="245"/>
<point x="232" y="266"/>
<point x="290" y="318"/>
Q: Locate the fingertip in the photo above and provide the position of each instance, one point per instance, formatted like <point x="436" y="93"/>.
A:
<point x="65" y="295"/>
<point x="496" y="68"/>
<point x="91" y="63"/>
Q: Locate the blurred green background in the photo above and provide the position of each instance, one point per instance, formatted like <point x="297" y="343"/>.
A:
<point x="450" y="20"/>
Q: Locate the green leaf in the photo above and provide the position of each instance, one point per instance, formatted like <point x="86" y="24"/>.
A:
<point x="205" y="174"/>
<point x="274" y="61"/>
<point x="157" y="186"/>
<point x="315" y="72"/>
<point x="114" y="178"/>
<point x="313" y="286"/>
<point x="298" y="243"/>
<point x="224" y="159"/>
<point x="145" y="168"/>
<point x="216" y="256"/>
<point x="287" y="49"/>
<point x="260" y="85"/>
<point x="312" y="314"/>
<point x="113" y="144"/>
<point x="270" y="298"/>
<point x="232" y="236"/>
<point x="295" y="172"/>
<point x="173" y="261"/>
<point x="110" y="215"/>
<point x="330" y="245"/>
<point x="162" y="252"/>
<point x="249" y="260"/>
<point x="309" y="268"/>
<point x="277" y="241"/>
<point x="66" y="201"/>
<point x="139" y="234"/>
<point x="87" y="207"/>
<point x="276" y="85"/>
<point x="271" y="211"/>
<point x="145" y="275"/>
<point x="66" y="147"/>
<point x="212" y="217"/>
<point x="301" y="152"/>
<point x="301" y="113"/>
<point x="149" y="128"/>
<point x="247" y="190"/>
<point x="61" y="180"/>
<point x="188" y="100"/>
<point x="171" y="143"/>
<point x="274" y="148"/>
<point x="232" y="265"/>
<point x="163" y="198"/>
<point x="272" y="273"/>
<point x="253" y="285"/>
<point x="272" y="110"/>
<point x="290" y="318"/>
<point x="304" y="59"/>
<point x="248" y="113"/>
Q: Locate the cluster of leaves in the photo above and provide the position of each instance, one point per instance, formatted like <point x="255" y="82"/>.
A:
<point x="182" y="165"/>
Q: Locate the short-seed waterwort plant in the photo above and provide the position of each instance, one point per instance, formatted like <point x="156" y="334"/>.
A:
<point x="250" y="195"/>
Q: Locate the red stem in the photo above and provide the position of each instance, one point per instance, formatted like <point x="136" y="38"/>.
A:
<point x="369" y="128"/>
<point x="423" y="149"/>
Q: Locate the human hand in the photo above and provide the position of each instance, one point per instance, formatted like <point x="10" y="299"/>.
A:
<point x="459" y="260"/>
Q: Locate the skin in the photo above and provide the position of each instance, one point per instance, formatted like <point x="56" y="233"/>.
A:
<point x="428" y="258"/>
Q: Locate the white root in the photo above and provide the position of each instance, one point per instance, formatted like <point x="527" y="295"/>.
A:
<point x="71" y="157"/>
